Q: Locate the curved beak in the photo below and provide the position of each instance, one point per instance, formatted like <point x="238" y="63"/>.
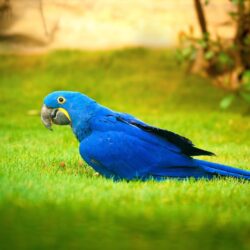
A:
<point x="57" y="116"/>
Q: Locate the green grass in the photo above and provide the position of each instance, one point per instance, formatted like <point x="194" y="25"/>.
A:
<point x="44" y="205"/>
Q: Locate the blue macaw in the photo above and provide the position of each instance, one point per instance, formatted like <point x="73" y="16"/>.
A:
<point x="119" y="146"/>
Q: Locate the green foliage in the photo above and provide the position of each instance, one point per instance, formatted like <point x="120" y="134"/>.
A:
<point x="209" y="55"/>
<point x="237" y="2"/>
<point x="246" y="80"/>
<point x="206" y="2"/>
<point x="247" y="40"/>
<point x="50" y="199"/>
<point x="227" y="101"/>
<point x="186" y="54"/>
<point x="218" y="60"/>
<point x="226" y="63"/>
<point x="225" y="59"/>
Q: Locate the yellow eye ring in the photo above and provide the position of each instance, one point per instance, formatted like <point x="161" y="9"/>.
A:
<point x="61" y="100"/>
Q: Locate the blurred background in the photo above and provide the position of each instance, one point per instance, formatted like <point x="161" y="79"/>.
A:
<point x="212" y="36"/>
<point x="107" y="24"/>
<point x="182" y="65"/>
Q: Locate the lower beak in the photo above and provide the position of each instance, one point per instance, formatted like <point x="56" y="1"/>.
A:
<point x="56" y="116"/>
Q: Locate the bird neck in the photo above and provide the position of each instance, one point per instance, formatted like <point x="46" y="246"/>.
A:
<point x="80" y="119"/>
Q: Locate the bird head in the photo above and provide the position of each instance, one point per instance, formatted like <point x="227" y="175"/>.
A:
<point x="60" y="107"/>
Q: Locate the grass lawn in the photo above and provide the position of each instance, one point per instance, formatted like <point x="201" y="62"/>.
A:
<point x="50" y="199"/>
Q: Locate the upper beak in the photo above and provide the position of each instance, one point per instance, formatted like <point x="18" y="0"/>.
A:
<point x="57" y="116"/>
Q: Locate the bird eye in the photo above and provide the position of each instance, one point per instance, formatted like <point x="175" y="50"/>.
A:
<point x="61" y="100"/>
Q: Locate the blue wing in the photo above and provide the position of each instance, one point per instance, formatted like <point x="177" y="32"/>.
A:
<point x="122" y="147"/>
<point x="184" y="144"/>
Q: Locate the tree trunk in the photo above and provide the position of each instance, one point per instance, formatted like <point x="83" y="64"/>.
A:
<point x="242" y="38"/>
<point x="201" y="18"/>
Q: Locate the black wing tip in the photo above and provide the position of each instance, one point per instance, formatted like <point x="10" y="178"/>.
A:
<point x="197" y="151"/>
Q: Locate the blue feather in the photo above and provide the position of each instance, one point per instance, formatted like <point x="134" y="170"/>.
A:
<point x="119" y="146"/>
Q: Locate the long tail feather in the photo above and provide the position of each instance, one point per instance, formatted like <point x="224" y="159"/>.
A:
<point x="219" y="169"/>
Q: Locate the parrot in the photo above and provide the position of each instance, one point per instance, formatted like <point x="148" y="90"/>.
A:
<point x="121" y="147"/>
